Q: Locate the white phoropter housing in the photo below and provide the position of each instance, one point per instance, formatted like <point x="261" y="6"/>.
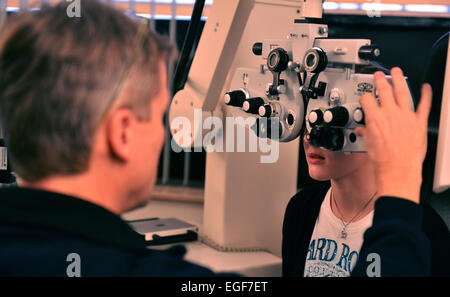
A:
<point x="307" y="71"/>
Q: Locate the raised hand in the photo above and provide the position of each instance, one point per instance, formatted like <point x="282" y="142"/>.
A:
<point x="396" y="137"/>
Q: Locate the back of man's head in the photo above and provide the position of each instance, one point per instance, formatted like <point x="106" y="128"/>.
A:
<point x="58" y="77"/>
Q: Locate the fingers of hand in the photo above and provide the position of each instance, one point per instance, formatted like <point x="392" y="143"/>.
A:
<point x="423" y="110"/>
<point x="372" y="115"/>
<point x="374" y="140"/>
<point x="401" y="90"/>
<point x="360" y="131"/>
<point x="370" y="107"/>
<point x="384" y="90"/>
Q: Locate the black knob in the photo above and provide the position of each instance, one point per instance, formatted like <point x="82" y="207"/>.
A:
<point x="277" y="60"/>
<point x="358" y="116"/>
<point x="257" y="48"/>
<point x="315" y="60"/>
<point x="329" y="138"/>
<point x="252" y="105"/>
<point x="265" y="110"/>
<point x="234" y="98"/>
<point x="315" y="117"/>
<point x="369" y="52"/>
<point x="336" y="116"/>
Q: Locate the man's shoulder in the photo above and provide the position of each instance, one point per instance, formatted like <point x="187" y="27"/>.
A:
<point x="39" y="230"/>
<point x="42" y="252"/>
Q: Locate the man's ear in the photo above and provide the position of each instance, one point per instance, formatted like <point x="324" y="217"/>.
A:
<point x="119" y="133"/>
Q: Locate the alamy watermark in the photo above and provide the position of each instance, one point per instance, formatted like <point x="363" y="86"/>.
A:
<point x="374" y="268"/>
<point x="74" y="268"/>
<point x="213" y="140"/>
<point x="74" y="9"/>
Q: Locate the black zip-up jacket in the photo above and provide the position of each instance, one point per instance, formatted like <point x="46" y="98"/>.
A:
<point x="39" y="230"/>
<point x="411" y="239"/>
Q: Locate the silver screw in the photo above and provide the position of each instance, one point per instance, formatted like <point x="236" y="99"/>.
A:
<point x="323" y="30"/>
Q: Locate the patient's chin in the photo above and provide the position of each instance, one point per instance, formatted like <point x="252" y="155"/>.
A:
<point x="318" y="175"/>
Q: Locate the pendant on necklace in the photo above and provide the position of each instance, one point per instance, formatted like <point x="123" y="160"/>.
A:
<point x="343" y="234"/>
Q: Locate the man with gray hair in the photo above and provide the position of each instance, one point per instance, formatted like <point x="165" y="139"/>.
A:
<point x="82" y="107"/>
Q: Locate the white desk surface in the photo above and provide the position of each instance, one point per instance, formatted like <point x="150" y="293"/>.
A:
<point x="246" y="263"/>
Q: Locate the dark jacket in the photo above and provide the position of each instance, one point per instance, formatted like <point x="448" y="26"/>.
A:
<point x="412" y="239"/>
<point x="39" y="230"/>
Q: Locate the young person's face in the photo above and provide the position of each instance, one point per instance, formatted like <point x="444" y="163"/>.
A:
<point x="325" y="165"/>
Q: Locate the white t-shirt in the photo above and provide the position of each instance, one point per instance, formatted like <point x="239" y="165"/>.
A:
<point x="328" y="253"/>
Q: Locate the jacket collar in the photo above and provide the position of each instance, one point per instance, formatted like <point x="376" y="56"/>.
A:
<point x="68" y="214"/>
<point x="309" y="218"/>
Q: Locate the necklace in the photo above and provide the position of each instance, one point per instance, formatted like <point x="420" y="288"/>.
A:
<point x="343" y="234"/>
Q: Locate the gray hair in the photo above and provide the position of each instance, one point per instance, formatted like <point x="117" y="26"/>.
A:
<point x="58" y="76"/>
